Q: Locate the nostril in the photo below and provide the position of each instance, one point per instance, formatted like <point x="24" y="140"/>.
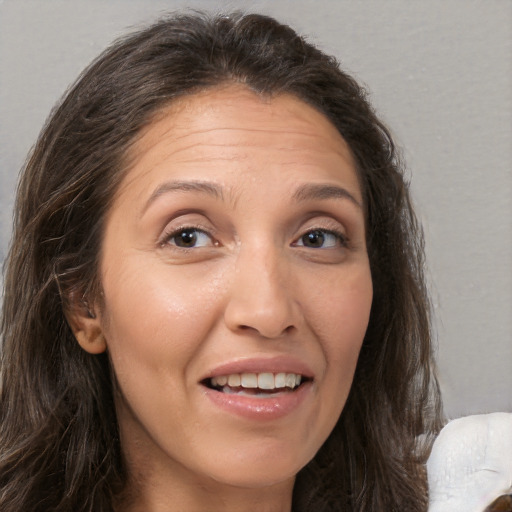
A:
<point x="267" y="333"/>
<point x="261" y="306"/>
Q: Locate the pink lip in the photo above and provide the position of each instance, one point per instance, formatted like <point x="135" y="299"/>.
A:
<point x="277" y="364"/>
<point x="258" y="408"/>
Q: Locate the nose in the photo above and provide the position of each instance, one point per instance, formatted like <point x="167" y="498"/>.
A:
<point x="262" y="298"/>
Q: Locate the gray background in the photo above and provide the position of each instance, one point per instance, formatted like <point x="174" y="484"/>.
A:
<point x="440" y="72"/>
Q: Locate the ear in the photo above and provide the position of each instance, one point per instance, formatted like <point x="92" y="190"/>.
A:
<point x="86" y="326"/>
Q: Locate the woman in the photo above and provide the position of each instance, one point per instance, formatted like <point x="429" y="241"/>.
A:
<point x="214" y="297"/>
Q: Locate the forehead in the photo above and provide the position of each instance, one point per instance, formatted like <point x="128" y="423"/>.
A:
<point x="236" y="104"/>
<point x="239" y="130"/>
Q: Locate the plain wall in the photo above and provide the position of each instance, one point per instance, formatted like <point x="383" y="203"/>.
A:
<point x="440" y="73"/>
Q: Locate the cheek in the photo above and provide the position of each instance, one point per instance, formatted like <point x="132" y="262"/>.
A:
<point x="341" y="319"/>
<point x="345" y="299"/>
<point x="153" y="314"/>
<point x="338" y="315"/>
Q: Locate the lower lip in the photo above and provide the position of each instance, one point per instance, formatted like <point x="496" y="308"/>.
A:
<point x="260" y="409"/>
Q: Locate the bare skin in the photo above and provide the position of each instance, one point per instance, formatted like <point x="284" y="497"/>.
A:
<point x="235" y="246"/>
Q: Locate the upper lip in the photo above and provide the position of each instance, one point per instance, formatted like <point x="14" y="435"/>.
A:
<point x="276" y="364"/>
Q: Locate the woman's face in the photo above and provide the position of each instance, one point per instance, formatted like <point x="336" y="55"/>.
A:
<point x="237" y="288"/>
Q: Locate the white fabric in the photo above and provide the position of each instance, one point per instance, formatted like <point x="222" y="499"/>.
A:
<point x="471" y="463"/>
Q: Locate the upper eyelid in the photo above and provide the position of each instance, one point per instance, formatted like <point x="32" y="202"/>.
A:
<point x="334" y="232"/>
<point x="313" y="221"/>
<point x="324" y="223"/>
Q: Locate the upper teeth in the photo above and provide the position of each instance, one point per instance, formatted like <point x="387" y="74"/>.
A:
<point x="258" y="380"/>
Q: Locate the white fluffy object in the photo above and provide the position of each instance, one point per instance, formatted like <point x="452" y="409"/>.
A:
<point x="471" y="463"/>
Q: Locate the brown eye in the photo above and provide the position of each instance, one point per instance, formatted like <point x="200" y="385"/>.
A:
<point x="313" y="239"/>
<point x="321" y="239"/>
<point x="189" y="238"/>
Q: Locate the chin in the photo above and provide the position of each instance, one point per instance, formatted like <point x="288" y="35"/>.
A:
<point x="257" y="478"/>
<point x="260" y="467"/>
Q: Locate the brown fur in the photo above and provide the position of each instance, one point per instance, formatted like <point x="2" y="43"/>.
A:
<point x="501" y="504"/>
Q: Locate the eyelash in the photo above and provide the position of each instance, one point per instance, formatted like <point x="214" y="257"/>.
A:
<point x="341" y="238"/>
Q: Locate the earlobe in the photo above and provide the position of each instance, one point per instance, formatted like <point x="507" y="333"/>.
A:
<point x="91" y="340"/>
<point x="87" y="329"/>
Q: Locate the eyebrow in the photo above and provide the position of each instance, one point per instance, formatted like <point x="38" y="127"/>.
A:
<point x="210" y="189"/>
<point x="307" y="192"/>
<point x="313" y="191"/>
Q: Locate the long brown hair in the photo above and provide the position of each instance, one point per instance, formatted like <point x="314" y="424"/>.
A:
<point x="59" y="444"/>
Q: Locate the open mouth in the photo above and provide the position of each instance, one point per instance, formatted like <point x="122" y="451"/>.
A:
<point x="256" y="384"/>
